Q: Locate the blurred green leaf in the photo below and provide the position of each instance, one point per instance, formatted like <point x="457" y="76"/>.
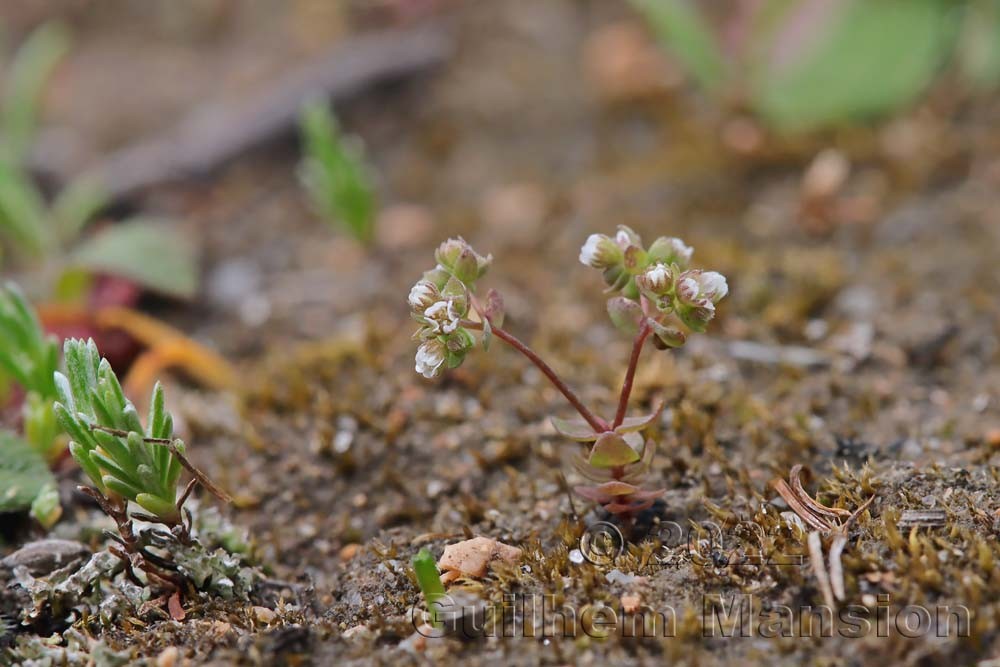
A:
<point x="979" y="45"/>
<point x="23" y="216"/>
<point x="870" y="57"/>
<point x="23" y="473"/>
<point x="27" y="354"/>
<point x="685" y="33"/>
<point x="33" y="65"/>
<point x="145" y="251"/>
<point x="75" y="205"/>
<point x="45" y="508"/>
<point x="334" y="173"/>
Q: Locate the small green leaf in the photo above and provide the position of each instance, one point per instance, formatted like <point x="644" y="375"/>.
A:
<point x="160" y="507"/>
<point x="625" y="313"/>
<point x="630" y="424"/>
<point x="487" y="334"/>
<point x="145" y="251"/>
<point x="575" y="429"/>
<point x="611" y="451"/>
<point x="32" y="68"/>
<point x="23" y="473"/>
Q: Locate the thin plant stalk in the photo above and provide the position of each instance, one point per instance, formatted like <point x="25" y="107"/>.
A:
<point x="633" y="362"/>
<point x="598" y="424"/>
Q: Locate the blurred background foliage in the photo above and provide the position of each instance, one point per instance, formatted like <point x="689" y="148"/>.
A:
<point x="806" y="64"/>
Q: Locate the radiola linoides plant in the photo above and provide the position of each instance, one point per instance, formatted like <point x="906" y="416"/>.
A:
<point x="657" y="297"/>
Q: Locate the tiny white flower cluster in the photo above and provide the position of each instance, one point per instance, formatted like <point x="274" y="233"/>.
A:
<point x="440" y="301"/>
<point x="660" y="274"/>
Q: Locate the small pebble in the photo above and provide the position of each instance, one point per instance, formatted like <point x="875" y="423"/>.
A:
<point x="631" y="603"/>
<point x="168" y="657"/>
<point x="264" y="615"/>
<point x="576" y="556"/>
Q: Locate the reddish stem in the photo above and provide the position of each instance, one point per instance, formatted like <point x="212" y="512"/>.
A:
<point x="633" y="362"/>
<point x="596" y="423"/>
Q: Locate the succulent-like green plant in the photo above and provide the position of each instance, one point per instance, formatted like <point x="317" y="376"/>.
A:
<point x="658" y="298"/>
<point x="30" y="358"/>
<point x="335" y="174"/>
<point x="123" y="459"/>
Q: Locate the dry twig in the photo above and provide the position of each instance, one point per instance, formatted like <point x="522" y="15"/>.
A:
<point x="823" y="520"/>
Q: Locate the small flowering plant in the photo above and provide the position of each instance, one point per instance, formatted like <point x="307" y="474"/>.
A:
<point x="655" y="296"/>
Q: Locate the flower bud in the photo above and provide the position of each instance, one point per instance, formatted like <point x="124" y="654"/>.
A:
<point x="696" y="286"/>
<point x="698" y="316"/>
<point x="625" y="237"/>
<point x="616" y="278"/>
<point x="422" y="295"/>
<point x="688" y="287"/>
<point x="438" y="276"/>
<point x="635" y="260"/>
<point x="466" y="266"/>
<point x="430" y="357"/>
<point x="483" y="263"/>
<point x="600" y="252"/>
<point x="449" y="251"/>
<point x="657" y="280"/>
<point x="460" y="341"/>
<point x="670" y="250"/>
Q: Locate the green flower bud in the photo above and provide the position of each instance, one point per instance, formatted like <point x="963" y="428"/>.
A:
<point x="669" y="250"/>
<point x="657" y="280"/>
<point x="449" y="251"/>
<point x="466" y="266"/>
<point x="698" y="316"/>
<point x="625" y="237"/>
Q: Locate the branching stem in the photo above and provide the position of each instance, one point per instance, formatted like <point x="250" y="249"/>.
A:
<point x="598" y="424"/>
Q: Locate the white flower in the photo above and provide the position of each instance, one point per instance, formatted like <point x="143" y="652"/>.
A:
<point x="442" y="317"/>
<point x="422" y="295"/>
<point x="695" y="287"/>
<point x="430" y="356"/>
<point x="713" y="286"/>
<point x="600" y="252"/>
<point x="688" y="287"/>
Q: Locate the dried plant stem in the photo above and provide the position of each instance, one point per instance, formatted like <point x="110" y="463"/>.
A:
<point x="633" y="362"/>
<point x="202" y="478"/>
<point x="598" y="424"/>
